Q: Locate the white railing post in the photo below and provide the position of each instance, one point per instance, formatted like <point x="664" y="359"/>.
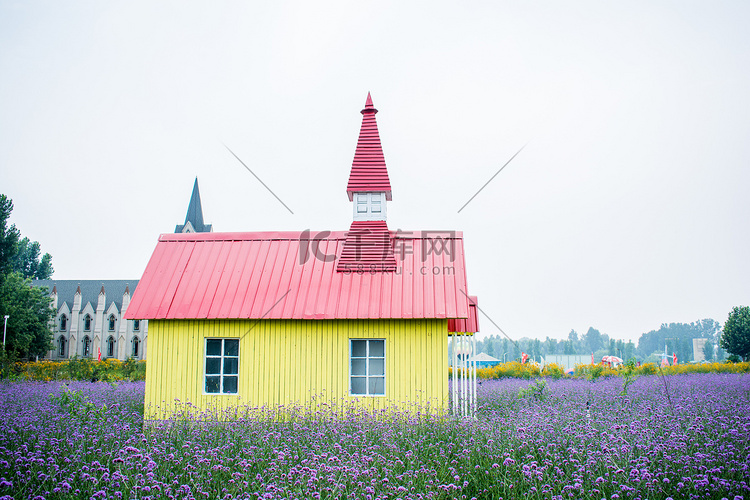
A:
<point x="453" y="371"/>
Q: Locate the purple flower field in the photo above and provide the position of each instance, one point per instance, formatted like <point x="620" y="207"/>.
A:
<point x="683" y="436"/>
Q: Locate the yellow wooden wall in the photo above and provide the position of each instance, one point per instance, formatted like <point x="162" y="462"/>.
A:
<point x="295" y="362"/>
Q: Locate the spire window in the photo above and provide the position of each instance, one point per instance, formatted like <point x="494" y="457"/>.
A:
<point x="369" y="206"/>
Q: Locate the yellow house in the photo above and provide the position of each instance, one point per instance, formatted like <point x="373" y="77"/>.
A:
<point x="287" y="319"/>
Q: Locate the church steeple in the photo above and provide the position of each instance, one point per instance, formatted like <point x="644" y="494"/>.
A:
<point x="368" y="245"/>
<point x="369" y="173"/>
<point x="194" y="218"/>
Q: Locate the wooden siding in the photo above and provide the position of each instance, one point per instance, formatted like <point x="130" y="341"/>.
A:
<point x="296" y="362"/>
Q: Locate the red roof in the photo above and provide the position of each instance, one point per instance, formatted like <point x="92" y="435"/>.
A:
<point x="469" y="325"/>
<point x="368" y="169"/>
<point x="368" y="243"/>
<point x="293" y="275"/>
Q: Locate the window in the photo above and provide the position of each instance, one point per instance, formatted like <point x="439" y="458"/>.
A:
<point x="112" y="321"/>
<point x="222" y="366"/>
<point x="136" y="346"/>
<point x="63" y="323"/>
<point x="87" y="323"/>
<point x="369" y="206"/>
<point x="110" y="347"/>
<point x="367" y="367"/>
<point x="61" y="346"/>
<point x="86" y="346"/>
<point x="136" y="325"/>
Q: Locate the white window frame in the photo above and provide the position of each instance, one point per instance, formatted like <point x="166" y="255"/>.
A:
<point x="112" y="322"/>
<point x="221" y="375"/>
<point x="367" y="375"/>
<point x="366" y="204"/>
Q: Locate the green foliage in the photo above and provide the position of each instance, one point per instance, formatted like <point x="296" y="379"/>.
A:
<point x="708" y="351"/>
<point x="30" y="312"/>
<point x="736" y="336"/>
<point x="28" y="263"/>
<point x="9" y="366"/>
<point x="629" y="374"/>
<point x="9" y="236"/>
<point x="29" y="309"/>
<point x="536" y="391"/>
<point x="554" y="371"/>
<point x="75" y="403"/>
<point x="84" y="369"/>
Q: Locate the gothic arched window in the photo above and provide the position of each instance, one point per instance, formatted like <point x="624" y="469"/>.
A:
<point x="136" y="346"/>
<point x="63" y="323"/>
<point x="86" y="346"/>
<point x="110" y="347"/>
<point x="87" y="323"/>
<point x="61" y="346"/>
<point x="112" y="322"/>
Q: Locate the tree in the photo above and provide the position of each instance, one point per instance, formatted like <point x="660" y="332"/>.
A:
<point x="708" y="351"/>
<point x="593" y="340"/>
<point x="736" y="336"/>
<point x="28" y="263"/>
<point x="29" y="309"/>
<point x="489" y="346"/>
<point x="8" y="237"/>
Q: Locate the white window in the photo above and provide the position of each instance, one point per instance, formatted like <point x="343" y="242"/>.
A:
<point x="367" y="367"/>
<point x="222" y="366"/>
<point x="136" y="325"/>
<point x="86" y="346"/>
<point x="136" y="346"/>
<point x="87" y="323"/>
<point x="63" y="323"/>
<point x="62" y="342"/>
<point x="369" y="206"/>
<point x="112" y="321"/>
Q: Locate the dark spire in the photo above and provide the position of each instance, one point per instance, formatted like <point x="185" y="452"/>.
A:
<point x="194" y="215"/>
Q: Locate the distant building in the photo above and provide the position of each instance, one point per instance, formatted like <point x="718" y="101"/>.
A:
<point x="89" y="319"/>
<point x="89" y="313"/>
<point x="484" y="360"/>
<point x="698" y="345"/>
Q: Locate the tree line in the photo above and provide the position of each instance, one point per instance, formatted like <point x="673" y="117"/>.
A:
<point x="677" y="337"/>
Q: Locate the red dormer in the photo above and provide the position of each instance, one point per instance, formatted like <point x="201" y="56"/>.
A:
<point x="369" y="174"/>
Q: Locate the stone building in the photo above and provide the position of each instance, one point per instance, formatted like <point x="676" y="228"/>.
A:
<point x="88" y="320"/>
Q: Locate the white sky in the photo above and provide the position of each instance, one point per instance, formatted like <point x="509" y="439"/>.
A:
<point x="627" y="209"/>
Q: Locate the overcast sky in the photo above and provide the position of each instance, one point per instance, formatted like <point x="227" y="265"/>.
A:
<point x="628" y="207"/>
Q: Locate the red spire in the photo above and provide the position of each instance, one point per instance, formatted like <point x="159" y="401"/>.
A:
<point x="369" y="173"/>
